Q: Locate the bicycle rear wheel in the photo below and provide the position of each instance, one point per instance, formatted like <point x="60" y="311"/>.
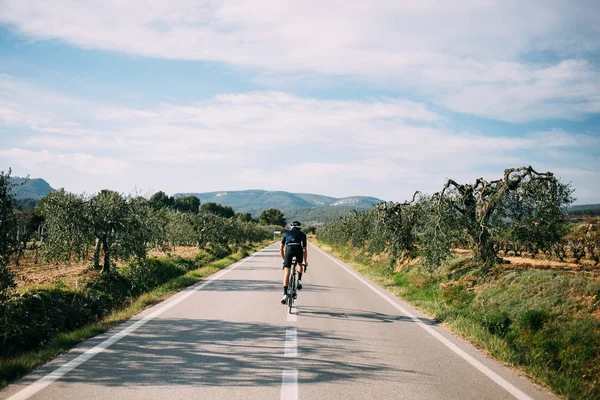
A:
<point x="291" y="294"/>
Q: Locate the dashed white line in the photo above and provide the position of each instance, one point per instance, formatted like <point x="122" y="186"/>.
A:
<point x="468" y="358"/>
<point x="291" y="343"/>
<point x="65" y="369"/>
<point x="289" y="384"/>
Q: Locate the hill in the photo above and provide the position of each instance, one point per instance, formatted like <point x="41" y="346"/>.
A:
<point x="585" y="210"/>
<point x="306" y="207"/>
<point x="30" y="188"/>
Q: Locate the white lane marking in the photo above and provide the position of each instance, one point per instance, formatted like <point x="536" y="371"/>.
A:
<point x="468" y="358"/>
<point x="293" y="317"/>
<point x="71" y="365"/>
<point x="289" y="384"/>
<point x="291" y="343"/>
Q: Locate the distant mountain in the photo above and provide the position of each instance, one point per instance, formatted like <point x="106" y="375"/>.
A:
<point x="585" y="209"/>
<point x="319" y="215"/>
<point x="31" y="189"/>
<point x="303" y="206"/>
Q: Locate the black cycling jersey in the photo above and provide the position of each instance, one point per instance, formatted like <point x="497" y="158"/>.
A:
<point x="294" y="237"/>
<point x="294" y="241"/>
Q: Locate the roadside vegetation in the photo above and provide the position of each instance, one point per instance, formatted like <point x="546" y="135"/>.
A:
<point x="120" y="253"/>
<point x="447" y="254"/>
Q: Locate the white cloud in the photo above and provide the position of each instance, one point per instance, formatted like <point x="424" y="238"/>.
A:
<point x="568" y="90"/>
<point x="466" y="55"/>
<point x="272" y="140"/>
<point x="80" y="162"/>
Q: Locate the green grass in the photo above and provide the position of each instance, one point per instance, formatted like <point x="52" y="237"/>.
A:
<point x="12" y="368"/>
<point x="542" y="322"/>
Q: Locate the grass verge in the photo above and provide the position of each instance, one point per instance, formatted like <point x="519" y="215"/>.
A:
<point x="12" y="368"/>
<point x="543" y="323"/>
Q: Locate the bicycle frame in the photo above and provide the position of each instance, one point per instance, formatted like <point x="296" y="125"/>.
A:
<point x="292" y="285"/>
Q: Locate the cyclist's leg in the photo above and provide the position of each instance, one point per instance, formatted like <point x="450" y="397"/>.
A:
<point x="287" y="263"/>
<point x="286" y="277"/>
<point x="300" y="259"/>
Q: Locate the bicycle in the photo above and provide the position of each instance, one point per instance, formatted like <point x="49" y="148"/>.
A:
<point x="292" y="285"/>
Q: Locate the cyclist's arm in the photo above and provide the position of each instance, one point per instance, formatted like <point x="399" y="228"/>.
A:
<point x="305" y="249"/>
<point x="281" y="246"/>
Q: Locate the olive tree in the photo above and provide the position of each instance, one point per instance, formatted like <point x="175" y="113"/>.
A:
<point x="67" y="235"/>
<point x="121" y="227"/>
<point x="146" y="228"/>
<point x="522" y="198"/>
<point x="394" y="228"/>
<point x="436" y="231"/>
<point x="180" y="229"/>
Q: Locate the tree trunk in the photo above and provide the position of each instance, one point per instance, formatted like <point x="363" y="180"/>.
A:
<point x="106" y="267"/>
<point x="97" y="254"/>
<point x="484" y="250"/>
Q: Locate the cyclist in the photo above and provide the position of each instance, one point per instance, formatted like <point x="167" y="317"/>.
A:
<point x="293" y="245"/>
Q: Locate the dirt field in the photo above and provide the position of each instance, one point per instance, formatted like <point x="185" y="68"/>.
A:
<point x="29" y="274"/>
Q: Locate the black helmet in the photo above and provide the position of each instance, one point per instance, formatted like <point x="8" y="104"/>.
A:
<point x="295" y="224"/>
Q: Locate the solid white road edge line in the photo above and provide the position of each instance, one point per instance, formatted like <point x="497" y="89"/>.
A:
<point x="289" y="384"/>
<point x="71" y="365"/>
<point x="468" y="358"/>
<point x="291" y="343"/>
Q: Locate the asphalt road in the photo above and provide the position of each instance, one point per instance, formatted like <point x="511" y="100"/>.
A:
<point x="230" y="338"/>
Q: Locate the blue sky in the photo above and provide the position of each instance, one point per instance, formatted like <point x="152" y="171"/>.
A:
<point x="368" y="98"/>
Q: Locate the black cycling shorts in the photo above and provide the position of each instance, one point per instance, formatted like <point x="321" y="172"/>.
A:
<point x="291" y="252"/>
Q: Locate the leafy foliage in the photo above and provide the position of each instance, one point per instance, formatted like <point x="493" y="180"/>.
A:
<point x="217" y="209"/>
<point x="187" y="204"/>
<point x="272" y="216"/>
<point x="125" y="228"/>
<point x="161" y="200"/>
<point x="525" y="206"/>
<point x="8" y="229"/>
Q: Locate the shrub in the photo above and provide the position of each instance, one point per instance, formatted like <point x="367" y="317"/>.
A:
<point x="533" y="320"/>
<point x="152" y="272"/>
<point x="31" y="319"/>
<point x="497" y="323"/>
<point x="457" y="295"/>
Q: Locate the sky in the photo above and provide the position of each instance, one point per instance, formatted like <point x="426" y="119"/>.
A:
<point x="338" y="98"/>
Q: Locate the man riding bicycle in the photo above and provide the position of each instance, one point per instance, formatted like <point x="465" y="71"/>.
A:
<point x="293" y="245"/>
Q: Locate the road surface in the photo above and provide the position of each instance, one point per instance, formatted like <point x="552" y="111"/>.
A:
<point x="230" y="338"/>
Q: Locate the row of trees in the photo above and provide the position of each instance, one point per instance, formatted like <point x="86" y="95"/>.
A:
<point x="524" y="207"/>
<point x="576" y="249"/>
<point x="272" y="216"/>
<point x="125" y="227"/>
<point x="109" y="227"/>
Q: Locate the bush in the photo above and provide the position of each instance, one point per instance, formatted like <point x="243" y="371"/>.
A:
<point x="219" y="252"/>
<point x="457" y="295"/>
<point x="34" y="317"/>
<point x="533" y="320"/>
<point x="497" y="323"/>
<point x="152" y="272"/>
